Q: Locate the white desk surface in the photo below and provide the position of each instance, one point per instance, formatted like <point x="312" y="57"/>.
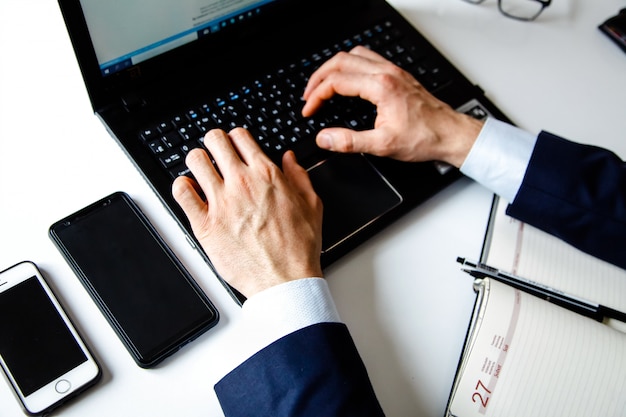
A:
<point x="402" y="293"/>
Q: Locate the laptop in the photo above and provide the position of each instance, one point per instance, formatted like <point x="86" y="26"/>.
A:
<point x="161" y="74"/>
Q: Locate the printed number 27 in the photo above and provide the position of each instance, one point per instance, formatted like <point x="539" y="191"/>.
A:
<point x="482" y="400"/>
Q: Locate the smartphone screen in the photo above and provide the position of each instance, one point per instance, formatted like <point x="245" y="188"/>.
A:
<point x="43" y="357"/>
<point x="144" y="291"/>
<point x="35" y="334"/>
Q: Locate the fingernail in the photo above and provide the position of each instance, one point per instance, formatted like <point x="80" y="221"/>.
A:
<point x="324" y="140"/>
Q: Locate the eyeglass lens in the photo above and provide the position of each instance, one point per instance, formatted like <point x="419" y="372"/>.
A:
<point x="519" y="9"/>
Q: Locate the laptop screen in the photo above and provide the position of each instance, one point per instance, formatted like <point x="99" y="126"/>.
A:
<point x="125" y="33"/>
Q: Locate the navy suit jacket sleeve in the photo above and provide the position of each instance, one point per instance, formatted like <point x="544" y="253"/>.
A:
<point x="577" y="193"/>
<point x="315" y="371"/>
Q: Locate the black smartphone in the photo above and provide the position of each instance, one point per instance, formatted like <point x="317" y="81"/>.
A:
<point x="41" y="353"/>
<point x="141" y="287"/>
<point x="615" y="28"/>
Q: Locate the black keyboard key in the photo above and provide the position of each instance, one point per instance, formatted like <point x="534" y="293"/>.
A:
<point x="189" y="132"/>
<point x="164" y="127"/>
<point x="172" y="158"/>
<point x="178" y="121"/>
<point x="149" y="134"/>
<point x="157" y="147"/>
<point x="179" y="170"/>
<point x="171" y="139"/>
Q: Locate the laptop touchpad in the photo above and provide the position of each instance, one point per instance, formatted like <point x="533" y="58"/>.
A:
<point x="354" y="194"/>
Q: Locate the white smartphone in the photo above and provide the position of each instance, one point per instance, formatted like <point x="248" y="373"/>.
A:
<point x="41" y="353"/>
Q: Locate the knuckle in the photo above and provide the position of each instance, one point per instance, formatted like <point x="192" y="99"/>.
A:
<point x="268" y="170"/>
<point x="387" y="80"/>
<point x="345" y="141"/>
<point x="319" y="205"/>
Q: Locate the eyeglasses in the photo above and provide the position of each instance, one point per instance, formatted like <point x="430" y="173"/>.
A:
<point x="526" y="10"/>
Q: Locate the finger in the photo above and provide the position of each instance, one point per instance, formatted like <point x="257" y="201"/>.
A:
<point x="295" y="174"/>
<point x="219" y="144"/>
<point x="202" y="168"/>
<point x="248" y="149"/>
<point x="356" y="61"/>
<point x="367" y="53"/>
<point x="349" y="141"/>
<point x="299" y="179"/>
<point x="356" y="84"/>
<point x="185" y="193"/>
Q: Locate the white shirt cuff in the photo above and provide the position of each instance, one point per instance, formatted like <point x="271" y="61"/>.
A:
<point x="286" y="308"/>
<point x="499" y="158"/>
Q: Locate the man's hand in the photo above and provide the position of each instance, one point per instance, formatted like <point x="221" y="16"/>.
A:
<point x="411" y="124"/>
<point x="260" y="226"/>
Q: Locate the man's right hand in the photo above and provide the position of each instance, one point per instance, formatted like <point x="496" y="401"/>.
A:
<point x="411" y="124"/>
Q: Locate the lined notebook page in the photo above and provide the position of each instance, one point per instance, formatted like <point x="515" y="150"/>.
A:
<point x="530" y="253"/>
<point x="528" y="357"/>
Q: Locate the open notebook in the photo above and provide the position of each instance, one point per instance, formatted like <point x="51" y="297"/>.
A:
<point x="526" y="356"/>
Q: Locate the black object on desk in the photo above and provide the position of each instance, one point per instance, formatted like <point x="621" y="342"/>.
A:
<point x="615" y="29"/>
<point x="140" y="286"/>
<point x="587" y="308"/>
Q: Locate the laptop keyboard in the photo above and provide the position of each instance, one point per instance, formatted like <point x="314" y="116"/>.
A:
<point x="269" y="106"/>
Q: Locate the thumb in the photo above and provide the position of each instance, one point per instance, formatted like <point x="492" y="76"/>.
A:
<point x="339" y="139"/>
<point x="295" y="174"/>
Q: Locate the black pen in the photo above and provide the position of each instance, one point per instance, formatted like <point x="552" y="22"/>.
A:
<point x="587" y="308"/>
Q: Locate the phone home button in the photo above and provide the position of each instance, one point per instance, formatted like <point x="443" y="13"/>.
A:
<point x="62" y="386"/>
